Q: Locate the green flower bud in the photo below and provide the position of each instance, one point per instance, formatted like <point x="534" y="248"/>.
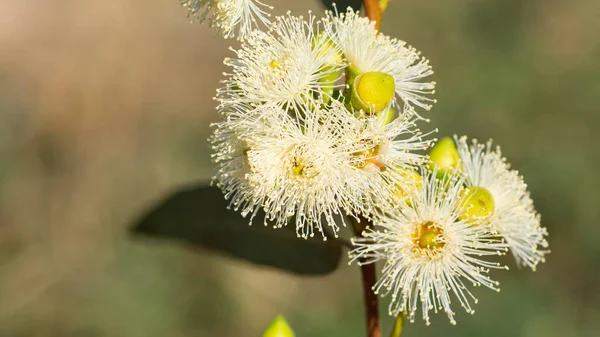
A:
<point x="444" y="156"/>
<point x="413" y="183"/>
<point x="328" y="82"/>
<point x="327" y="48"/>
<point x="279" y="328"/>
<point x="373" y="91"/>
<point x="335" y="57"/>
<point x="387" y="116"/>
<point x="476" y="203"/>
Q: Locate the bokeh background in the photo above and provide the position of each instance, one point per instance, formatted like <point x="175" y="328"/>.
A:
<point x="105" y="108"/>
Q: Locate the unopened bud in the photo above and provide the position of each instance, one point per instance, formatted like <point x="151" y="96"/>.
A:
<point x="373" y="91"/>
<point x="324" y="47"/>
<point x="327" y="82"/>
<point x="476" y="203"/>
<point x="410" y="183"/>
<point x="279" y="328"/>
<point x="444" y="156"/>
<point x="387" y="116"/>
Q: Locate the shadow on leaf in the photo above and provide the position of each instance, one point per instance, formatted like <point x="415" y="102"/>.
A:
<point x="198" y="216"/>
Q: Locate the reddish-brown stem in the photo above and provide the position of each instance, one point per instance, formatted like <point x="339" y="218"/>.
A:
<point x="367" y="272"/>
<point x="373" y="11"/>
<point x="371" y="307"/>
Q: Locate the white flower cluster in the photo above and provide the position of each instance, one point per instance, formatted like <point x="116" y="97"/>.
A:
<point x="292" y="143"/>
<point x="319" y="125"/>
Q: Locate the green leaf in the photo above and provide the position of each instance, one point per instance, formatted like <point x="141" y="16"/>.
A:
<point x="199" y="217"/>
<point x="343" y="4"/>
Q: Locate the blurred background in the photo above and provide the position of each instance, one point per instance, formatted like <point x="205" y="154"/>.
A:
<point x="105" y="108"/>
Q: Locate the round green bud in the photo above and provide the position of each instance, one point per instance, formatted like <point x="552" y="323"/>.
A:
<point x="444" y="156"/>
<point x="279" y="328"/>
<point x="373" y="91"/>
<point x="476" y="203"/>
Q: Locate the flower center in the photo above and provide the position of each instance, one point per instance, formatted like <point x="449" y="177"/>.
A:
<point x="370" y="157"/>
<point x="274" y="64"/>
<point x="428" y="239"/>
<point x="247" y="166"/>
<point x="298" y="169"/>
<point x="302" y="167"/>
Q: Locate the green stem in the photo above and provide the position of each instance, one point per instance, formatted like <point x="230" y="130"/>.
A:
<point x="398" y="325"/>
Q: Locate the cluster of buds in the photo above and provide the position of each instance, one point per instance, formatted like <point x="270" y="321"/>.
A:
<point x="319" y="125"/>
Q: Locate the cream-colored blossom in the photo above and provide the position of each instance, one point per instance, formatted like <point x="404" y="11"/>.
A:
<point x="366" y="50"/>
<point x="430" y="254"/>
<point x="284" y="66"/>
<point x="230" y="17"/>
<point x="514" y="216"/>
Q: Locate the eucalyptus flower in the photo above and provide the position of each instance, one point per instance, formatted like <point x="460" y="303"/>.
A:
<point x="511" y="212"/>
<point x="430" y="253"/>
<point x="367" y="50"/>
<point x="230" y="17"/>
<point x="284" y="66"/>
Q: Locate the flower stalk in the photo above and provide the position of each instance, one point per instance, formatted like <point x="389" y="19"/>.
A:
<point x="373" y="11"/>
<point x="371" y="305"/>
<point x="367" y="271"/>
